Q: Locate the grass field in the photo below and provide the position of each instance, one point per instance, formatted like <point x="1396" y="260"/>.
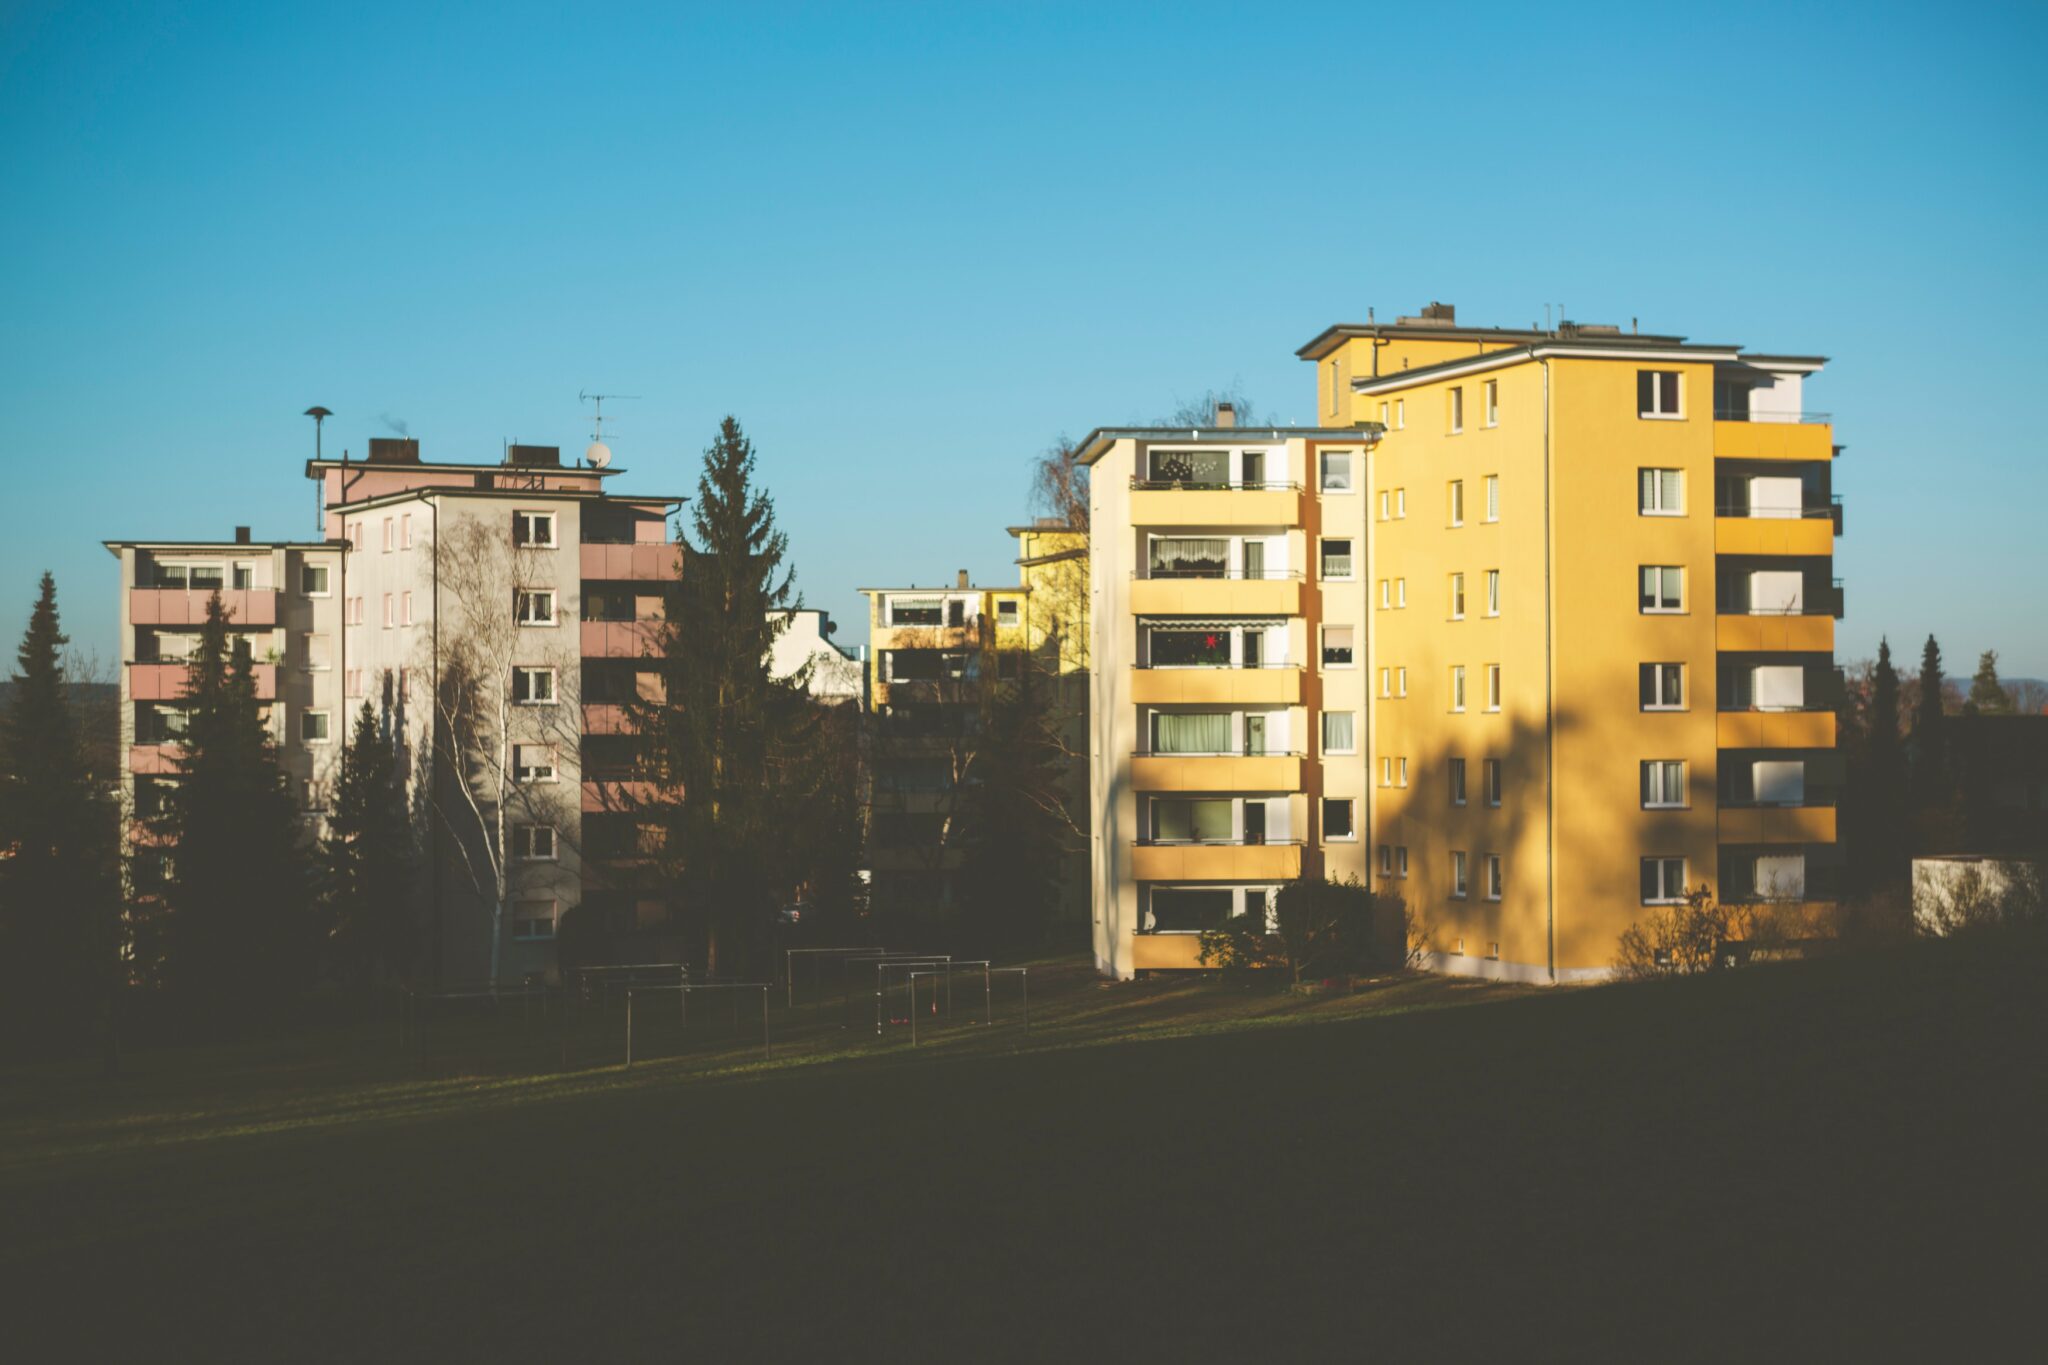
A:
<point x="1839" y="1159"/>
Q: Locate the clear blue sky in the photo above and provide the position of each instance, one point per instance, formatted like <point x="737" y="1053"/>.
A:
<point x="909" y="245"/>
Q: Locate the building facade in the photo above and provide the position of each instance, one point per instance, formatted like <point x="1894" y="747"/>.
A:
<point x="1544" y="621"/>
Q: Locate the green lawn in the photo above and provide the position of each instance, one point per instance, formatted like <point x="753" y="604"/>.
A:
<point x="1840" y="1159"/>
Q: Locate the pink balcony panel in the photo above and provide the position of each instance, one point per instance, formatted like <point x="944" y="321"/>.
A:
<point x="255" y="607"/>
<point x="604" y="718"/>
<point x="154" y="759"/>
<point x="618" y="639"/>
<point x="166" y="682"/>
<point x="645" y="560"/>
<point x="615" y="795"/>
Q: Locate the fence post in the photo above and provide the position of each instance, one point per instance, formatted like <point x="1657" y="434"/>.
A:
<point x="767" y="1047"/>
<point x="629" y="1030"/>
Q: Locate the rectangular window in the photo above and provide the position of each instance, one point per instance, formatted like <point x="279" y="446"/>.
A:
<point x="534" y="530"/>
<point x="1493" y="687"/>
<point x="533" y="921"/>
<point x="313" y="727"/>
<point x="1663" y="784"/>
<point x="1493" y="877"/>
<point x="1386" y="593"/>
<point x="533" y="686"/>
<point x="1178" y="820"/>
<point x="1339" y="732"/>
<point x="1457" y="409"/>
<point x="1337" y="820"/>
<point x="405" y="607"/>
<point x="1188" y="909"/>
<point x="533" y="843"/>
<point x="1400" y="772"/>
<point x="1400" y="681"/>
<point x="405" y="531"/>
<point x="1335" y="394"/>
<point x="1337" y="646"/>
<point x="1006" y="612"/>
<point x="1458" y="882"/>
<point x="1457" y="781"/>
<point x="1190" y="557"/>
<point x="533" y="763"/>
<point x="313" y="580"/>
<point x="1400" y="860"/>
<point x="1457" y="687"/>
<point x="1337" y="560"/>
<point x="1493" y="497"/>
<point x="1661" y="492"/>
<point x="1490" y="775"/>
<point x="1336" y="471"/>
<point x="1662" y="588"/>
<point x="1400" y="503"/>
<point x="1493" y="402"/>
<point x="915" y="611"/>
<point x="1385" y="503"/>
<point x="1663" y="881"/>
<point x="1400" y="592"/>
<point x="1457" y="597"/>
<point x="319" y="652"/>
<point x="1457" y="501"/>
<point x="1400" y="414"/>
<point x="1386" y="860"/>
<point x="390" y="537"/>
<point x="1661" y="687"/>
<point x="1493" y="592"/>
<point x="243" y="577"/>
<point x="1186" y="648"/>
<point x="1199" y="732"/>
<point x="1657" y="393"/>
<point x="1383" y="414"/>
<point x="390" y="611"/>
<point x="1386" y="771"/>
<point x="534" y="606"/>
<point x="1386" y="682"/>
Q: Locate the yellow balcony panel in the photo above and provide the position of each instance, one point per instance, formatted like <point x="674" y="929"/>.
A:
<point x="1775" y="729"/>
<point x="1167" y="953"/>
<point x="1774" y="441"/>
<point x="1774" y="535"/>
<point x="884" y="638"/>
<point x="1215" y="862"/>
<point x="1777" y="824"/>
<point x="1188" y="773"/>
<point x="1244" y="686"/>
<point x="1776" y="634"/>
<point x="1215" y="506"/>
<point x="1216" y="596"/>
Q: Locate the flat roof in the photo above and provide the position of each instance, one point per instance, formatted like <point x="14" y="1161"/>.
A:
<point x="1599" y="348"/>
<point x="462" y="467"/>
<point x="1327" y="340"/>
<point x="116" y="546"/>
<point x="951" y="587"/>
<point x="515" y="494"/>
<point x="1096" y="442"/>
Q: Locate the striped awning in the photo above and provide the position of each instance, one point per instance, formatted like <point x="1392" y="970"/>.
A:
<point x="1212" y="622"/>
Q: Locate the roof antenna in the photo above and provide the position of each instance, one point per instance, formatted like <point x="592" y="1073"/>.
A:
<point x="319" y="416"/>
<point x="598" y="455"/>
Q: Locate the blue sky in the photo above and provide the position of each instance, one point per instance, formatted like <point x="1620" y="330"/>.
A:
<point x="909" y="245"/>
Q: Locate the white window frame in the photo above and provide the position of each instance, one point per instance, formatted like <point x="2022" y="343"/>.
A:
<point x="405" y="530"/>
<point x="1386" y="860"/>
<point x="1400" y="593"/>
<point x="1660" y="609"/>
<point x="390" y="610"/>
<point x="1652" y="506"/>
<point x="1493" y="592"/>
<point x="1493" y="687"/>
<point x="1658" y="671"/>
<point x="1386" y="594"/>
<point x="326" y="735"/>
<point x="524" y="597"/>
<point x="326" y="648"/>
<point x="390" y="534"/>
<point x="522" y="917"/>
<point x="531" y="673"/>
<point x="1457" y="688"/>
<point x="1351" y="748"/>
<point x="1323" y="646"/>
<point x="1496" y="881"/>
<point x="325" y="589"/>
<point x="1457" y="587"/>
<point x="1456" y="778"/>
<point x="1457" y="409"/>
<point x="1656" y="414"/>
<point x="1007" y="608"/>
<point x="1350" y="807"/>
<point x="536" y="521"/>
<point x="1401" y="771"/>
<point x="526" y="839"/>
<point x="1386" y="502"/>
<point x="1323" y="559"/>
<point x="1454" y="493"/>
<point x="1493" y="497"/>
<point x="1400" y="860"/>
<point x="1400" y="504"/>
<point x="1491" y="782"/>
<point x="1493" y="402"/>
<point x="1324" y="466"/>
<point x="405" y="607"/>
<point x="1665" y="894"/>
<point x="1656" y="795"/>
<point x="1459" y="873"/>
<point x="1386" y="771"/>
<point x="525" y="772"/>
<point x="1386" y="681"/>
<point x="1400" y="680"/>
<point x="1400" y="414"/>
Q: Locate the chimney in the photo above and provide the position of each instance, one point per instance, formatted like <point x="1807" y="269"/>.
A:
<point x="963" y="578"/>
<point x="394" y="450"/>
<point x="241" y="535"/>
<point x="1226" y="415"/>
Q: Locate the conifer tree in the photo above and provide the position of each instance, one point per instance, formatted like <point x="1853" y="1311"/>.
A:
<point x="1874" y="803"/>
<point x="1930" y="739"/>
<point x="1016" y="820"/>
<point x="59" y="888"/>
<point x="238" y="893"/>
<point x="367" y="857"/>
<point x="1987" y="696"/>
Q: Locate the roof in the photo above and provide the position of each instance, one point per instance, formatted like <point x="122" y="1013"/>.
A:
<point x="1331" y="337"/>
<point x="514" y="494"/>
<point x="1097" y="442"/>
<point x="116" y="546"/>
<point x="462" y="467"/>
<point x="950" y="587"/>
<point x="1596" y="348"/>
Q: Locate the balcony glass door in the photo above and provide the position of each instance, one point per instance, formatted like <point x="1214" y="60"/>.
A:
<point x="1255" y="559"/>
<point x="1255" y="736"/>
<point x="1255" y="822"/>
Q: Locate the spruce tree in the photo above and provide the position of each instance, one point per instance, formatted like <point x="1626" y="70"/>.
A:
<point x="1930" y="739"/>
<point x="238" y="894"/>
<point x="1987" y="695"/>
<point x="367" y="857"/>
<point x="60" y="888"/>
<point x="1876" y="798"/>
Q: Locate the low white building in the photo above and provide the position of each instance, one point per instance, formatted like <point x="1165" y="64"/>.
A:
<point x="1961" y="890"/>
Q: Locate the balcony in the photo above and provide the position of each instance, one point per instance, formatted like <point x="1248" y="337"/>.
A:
<point x="1216" y="595"/>
<point x="1775" y="634"/>
<point x="1272" y="685"/>
<point x="1216" y="862"/>
<point x="252" y="607"/>
<point x="618" y="639"/>
<point x="166" y="682"/>
<point x="1166" y="952"/>
<point x="1789" y="437"/>
<point x="1155" y="503"/>
<point x="1811" y="531"/>
<point x="605" y="718"/>
<point x="1216" y="772"/>
<point x="883" y="639"/>
<point x="1777" y="824"/>
<point x="155" y="759"/>
<point x="1775" y="729"/>
<point x="928" y="692"/>
<point x="603" y="793"/>
<point x="641" y="561"/>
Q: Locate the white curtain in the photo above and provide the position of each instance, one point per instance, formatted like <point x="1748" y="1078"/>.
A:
<point x="1781" y="876"/>
<point x="1206" y="732"/>
<point x="1777" y="592"/>
<point x="1776" y="497"/>
<point x="1781" y="782"/>
<point x="1779" y="687"/>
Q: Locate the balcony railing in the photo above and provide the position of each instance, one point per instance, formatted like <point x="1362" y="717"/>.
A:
<point x="1233" y="575"/>
<point x="1214" y="668"/>
<point x="1218" y="753"/>
<point x="1226" y="486"/>
<point x="1811" y="511"/>
<point x="1745" y="415"/>
<point x="1255" y="842"/>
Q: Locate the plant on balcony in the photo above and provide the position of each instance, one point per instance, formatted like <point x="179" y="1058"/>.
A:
<point x="1174" y="469"/>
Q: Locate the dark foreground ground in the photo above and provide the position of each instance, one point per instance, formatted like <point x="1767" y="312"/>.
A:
<point x="1840" y="1160"/>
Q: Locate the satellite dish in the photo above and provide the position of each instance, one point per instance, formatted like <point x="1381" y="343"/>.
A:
<point x="598" y="455"/>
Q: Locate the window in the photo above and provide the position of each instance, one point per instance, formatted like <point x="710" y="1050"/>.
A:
<point x="1663" y="784"/>
<point x="1200" y="732"/>
<point x="1006" y="612"/>
<point x="533" y="763"/>
<point x="1386" y="860"/>
<point x="1400" y="592"/>
<point x="390" y="535"/>
<point x="1400" y="682"/>
<point x="1458" y="882"/>
<point x="1661" y="686"/>
<point x="1400" y="414"/>
<point x="1335" y="394"/>
<point x="1493" y="687"/>
<point x="1657" y="393"/>
<point x="313" y="580"/>
<point x="1337" y="561"/>
<point x="1490" y="775"/>
<point x="1457" y="502"/>
<point x="1190" y="557"/>
<point x="313" y="727"/>
<point x="1400" y="503"/>
<point x="1186" y="648"/>
<point x="1339" y="732"/>
<point x="1386" y="593"/>
<point x="1662" y="492"/>
<point x="1386" y="682"/>
<point x="1457" y="781"/>
<point x="1400" y="860"/>
<point x="1178" y="820"/>
<point x="1493" y="497"/>
<point x="1493" y="402"/>
<point x="1457" y="687"/>
<point x="1337" y="646"/>
<point x="405" y="607"/>
<point x="533" y="686"/>
<point x="1457" y="597"/>
<point x="1457" y="409"/>
<point x="1187" y="909"/>
<point x="1383" y="414"/>
<point x="319" y="652"/>
<point x="1493" y="878"/>
<point x="1386" y="771"/>
<point x="1400" y="772"/>
<point x="915" y="611"/>
<point x="533" y="843"/>
<point x="1493" y="592"/>
<point x="1336" y="471"/>
<point x="1337" y="820"/>
<point x="1385" y="503"/>
<point x="534" y="606"/>
<point x="405" y="531"/>
<point x="1663" y="881"/>
<point x="355" y="536"/>
<point x="533" y="921"/>
<point x="390" y="611"/>
<point x="1663" y="588"/>
<point x="535" y="530"/>
<point x="352" y="682"/>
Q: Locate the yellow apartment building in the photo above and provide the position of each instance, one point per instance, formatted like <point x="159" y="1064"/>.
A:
<point x="1590" y="664"/>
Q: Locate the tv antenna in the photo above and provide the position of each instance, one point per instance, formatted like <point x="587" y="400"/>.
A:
<point x="597" y="455"/>
<point x="319" y="416"/>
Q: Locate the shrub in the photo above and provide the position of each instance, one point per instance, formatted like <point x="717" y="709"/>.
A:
<point x="1315" y="927"/>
